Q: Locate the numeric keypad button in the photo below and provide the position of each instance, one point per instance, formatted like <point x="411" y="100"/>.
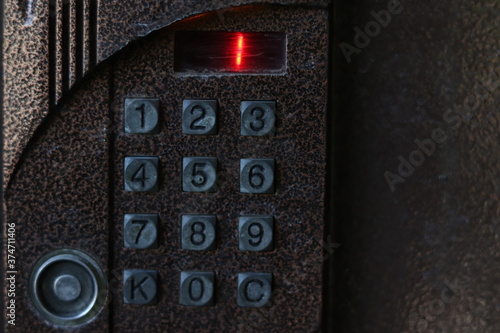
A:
<point x="197" y="288"/>
<point x="257" y="175"/>
<point x="256" y="233"/>
<point x="254" y="289"/>
<point x="199" y="174"/>
<point x="199" y="117"/>
<point x="141" y="115"/>
<point x="258" y="118"/>
<point x="140" y="231"/>
<point x="198" y="232"/>
<point x="141" y="174"/>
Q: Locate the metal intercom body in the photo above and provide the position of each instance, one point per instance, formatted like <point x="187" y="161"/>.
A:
<point x="181" y="184"/>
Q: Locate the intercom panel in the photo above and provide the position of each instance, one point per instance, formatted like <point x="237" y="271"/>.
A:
<point x="181" y="185"/>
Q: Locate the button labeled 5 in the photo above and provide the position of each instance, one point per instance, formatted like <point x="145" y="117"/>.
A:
<point x="199" y="174"/>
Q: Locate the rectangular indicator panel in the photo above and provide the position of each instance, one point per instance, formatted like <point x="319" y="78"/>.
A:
<point x="230" y="52"/>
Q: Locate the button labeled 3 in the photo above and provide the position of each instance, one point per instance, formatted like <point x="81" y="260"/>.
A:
<point x="258" y="118"/>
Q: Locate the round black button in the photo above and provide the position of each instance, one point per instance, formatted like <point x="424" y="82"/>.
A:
<point x="68" y="287"/>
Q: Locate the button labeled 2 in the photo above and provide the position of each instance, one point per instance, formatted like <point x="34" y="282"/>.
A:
<point x="199" y="117"/>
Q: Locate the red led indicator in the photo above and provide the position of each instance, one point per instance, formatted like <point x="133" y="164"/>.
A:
<point x="239" y="53"/>
<point x="230" y="52"/>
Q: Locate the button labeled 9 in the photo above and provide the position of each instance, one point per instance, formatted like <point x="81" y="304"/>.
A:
<point x="256" y="233"/>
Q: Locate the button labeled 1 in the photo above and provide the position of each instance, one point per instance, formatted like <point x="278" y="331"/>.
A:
<point x="141" y="115"/>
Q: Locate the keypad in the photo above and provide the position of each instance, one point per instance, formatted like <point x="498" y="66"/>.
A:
<point x="198" y="232"/>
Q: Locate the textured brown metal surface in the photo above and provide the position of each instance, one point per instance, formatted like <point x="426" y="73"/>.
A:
<point x="68" y="189"/>
<point x="50" y="45"/>
<point x="297" y="206"/>
<point x="59" y="197"/>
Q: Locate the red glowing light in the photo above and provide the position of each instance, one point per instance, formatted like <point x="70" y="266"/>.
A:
<point x="239" y="53"/>
<point x="230" y="52"/>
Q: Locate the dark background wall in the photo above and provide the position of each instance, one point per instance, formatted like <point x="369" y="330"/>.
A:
<point x="424" y="255"/>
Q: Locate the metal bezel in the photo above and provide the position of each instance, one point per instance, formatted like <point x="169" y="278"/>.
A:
<point x="94" y="270"/>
